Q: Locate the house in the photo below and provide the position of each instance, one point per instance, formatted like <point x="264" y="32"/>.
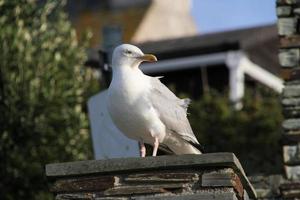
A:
<point x="230" y="59"/>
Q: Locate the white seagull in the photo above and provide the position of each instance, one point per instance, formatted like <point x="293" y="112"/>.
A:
<point x="144" y="109"/>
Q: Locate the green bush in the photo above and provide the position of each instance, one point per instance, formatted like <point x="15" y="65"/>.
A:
<point x="253" y="133"/>
<point x="42" y="93"/>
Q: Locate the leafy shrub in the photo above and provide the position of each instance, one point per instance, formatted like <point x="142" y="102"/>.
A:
<point x="252" y="133"/>
<point x="42" y="93"/>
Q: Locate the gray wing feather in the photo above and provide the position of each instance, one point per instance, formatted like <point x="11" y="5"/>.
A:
<point x="172" y="110"/>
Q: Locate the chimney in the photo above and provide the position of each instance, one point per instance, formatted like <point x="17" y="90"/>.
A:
<point x="215" y="176"/>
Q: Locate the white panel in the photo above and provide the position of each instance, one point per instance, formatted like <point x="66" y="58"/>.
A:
<point x="184" y="63"/>
<point x="108" y="141"/>
<point x="261" y="75"/>
<point x="238" y="65"/>
<point x="236" y="79"/>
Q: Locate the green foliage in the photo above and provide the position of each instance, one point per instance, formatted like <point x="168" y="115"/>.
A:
<point x="253" y="133"/>
<point x="42" y="93"/>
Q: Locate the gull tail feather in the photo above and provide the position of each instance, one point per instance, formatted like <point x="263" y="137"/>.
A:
<point x="165" y="149"/>
<point x="197" y="146"/>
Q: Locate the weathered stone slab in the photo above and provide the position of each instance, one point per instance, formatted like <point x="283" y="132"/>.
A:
<point x="296" y="11"/>
<point x="84" y="184"/>
<point x="290" y="74"/>
<point x="291" y="154"/>
<point x="149" y="184"/>
<point x="288" y="2"/>
<point x="144" y="189"/>
<point x="291" y="91"/>
<point x="291" y="124"/>
<point x="291" y="112"/>
<point x="283" y="11"/>
<point x="291" y="136"/>
<point x="291" y="129"/>
<point x="223" y="178"/>
<point x="290" y="190"/>
<point x="286" y="73"/>
<point x="111" y="198"/>
<point x="86" y="196"/>
<point x="291" y="102"/>
<point x="292" y="83"/>
<point x="207" y="196"/>
<point x="290" y="42"/>
<point x="289" y="57"/>
<point x="162" y="177"/>
<point x="286" y="26"/>
<point x="292" y="172"/>
<point x="291" y="107"/>
<point x="267" y="187"/>
<point x="295" y="74"/>
<point x="204" y="196"/>
<point x="218" y="178"/>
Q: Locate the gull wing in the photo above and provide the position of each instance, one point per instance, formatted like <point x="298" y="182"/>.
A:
<point x="172" y="111"/>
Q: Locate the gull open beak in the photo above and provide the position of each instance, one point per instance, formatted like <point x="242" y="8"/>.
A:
<point x="148" y="58"/>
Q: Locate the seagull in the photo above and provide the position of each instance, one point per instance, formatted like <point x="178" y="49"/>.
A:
<point x="144" y="109"/>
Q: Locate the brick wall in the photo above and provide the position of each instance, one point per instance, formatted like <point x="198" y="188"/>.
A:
<point x="288" y="12"/>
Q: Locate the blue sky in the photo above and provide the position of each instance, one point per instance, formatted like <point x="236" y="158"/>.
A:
<point x="220" y="15"/>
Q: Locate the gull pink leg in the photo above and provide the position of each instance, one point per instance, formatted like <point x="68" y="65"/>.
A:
<point x="155" y="147"/>
<point x="142" y="149"/>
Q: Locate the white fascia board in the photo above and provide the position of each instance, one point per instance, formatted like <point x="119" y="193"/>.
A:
<point x="184" y="63"/>
<point x="250" y="68"/>
<point x="261" y="75"/>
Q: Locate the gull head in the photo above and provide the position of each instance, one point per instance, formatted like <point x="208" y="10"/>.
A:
<point x="127" y="55"/>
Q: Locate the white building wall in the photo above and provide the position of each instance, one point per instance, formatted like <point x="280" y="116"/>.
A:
<point x="108" y="141"/>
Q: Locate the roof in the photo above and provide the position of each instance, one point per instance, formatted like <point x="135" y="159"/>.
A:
<point x="259" y="43"/>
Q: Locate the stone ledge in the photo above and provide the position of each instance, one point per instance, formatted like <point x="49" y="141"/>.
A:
<point x="211" y="196"/>
<point x="226" y="196"/>
<point x="210" y="174"/>
<point x="147" y="163"/>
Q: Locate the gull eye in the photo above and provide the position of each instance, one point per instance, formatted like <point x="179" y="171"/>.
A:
<point x="128" y="52"/>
